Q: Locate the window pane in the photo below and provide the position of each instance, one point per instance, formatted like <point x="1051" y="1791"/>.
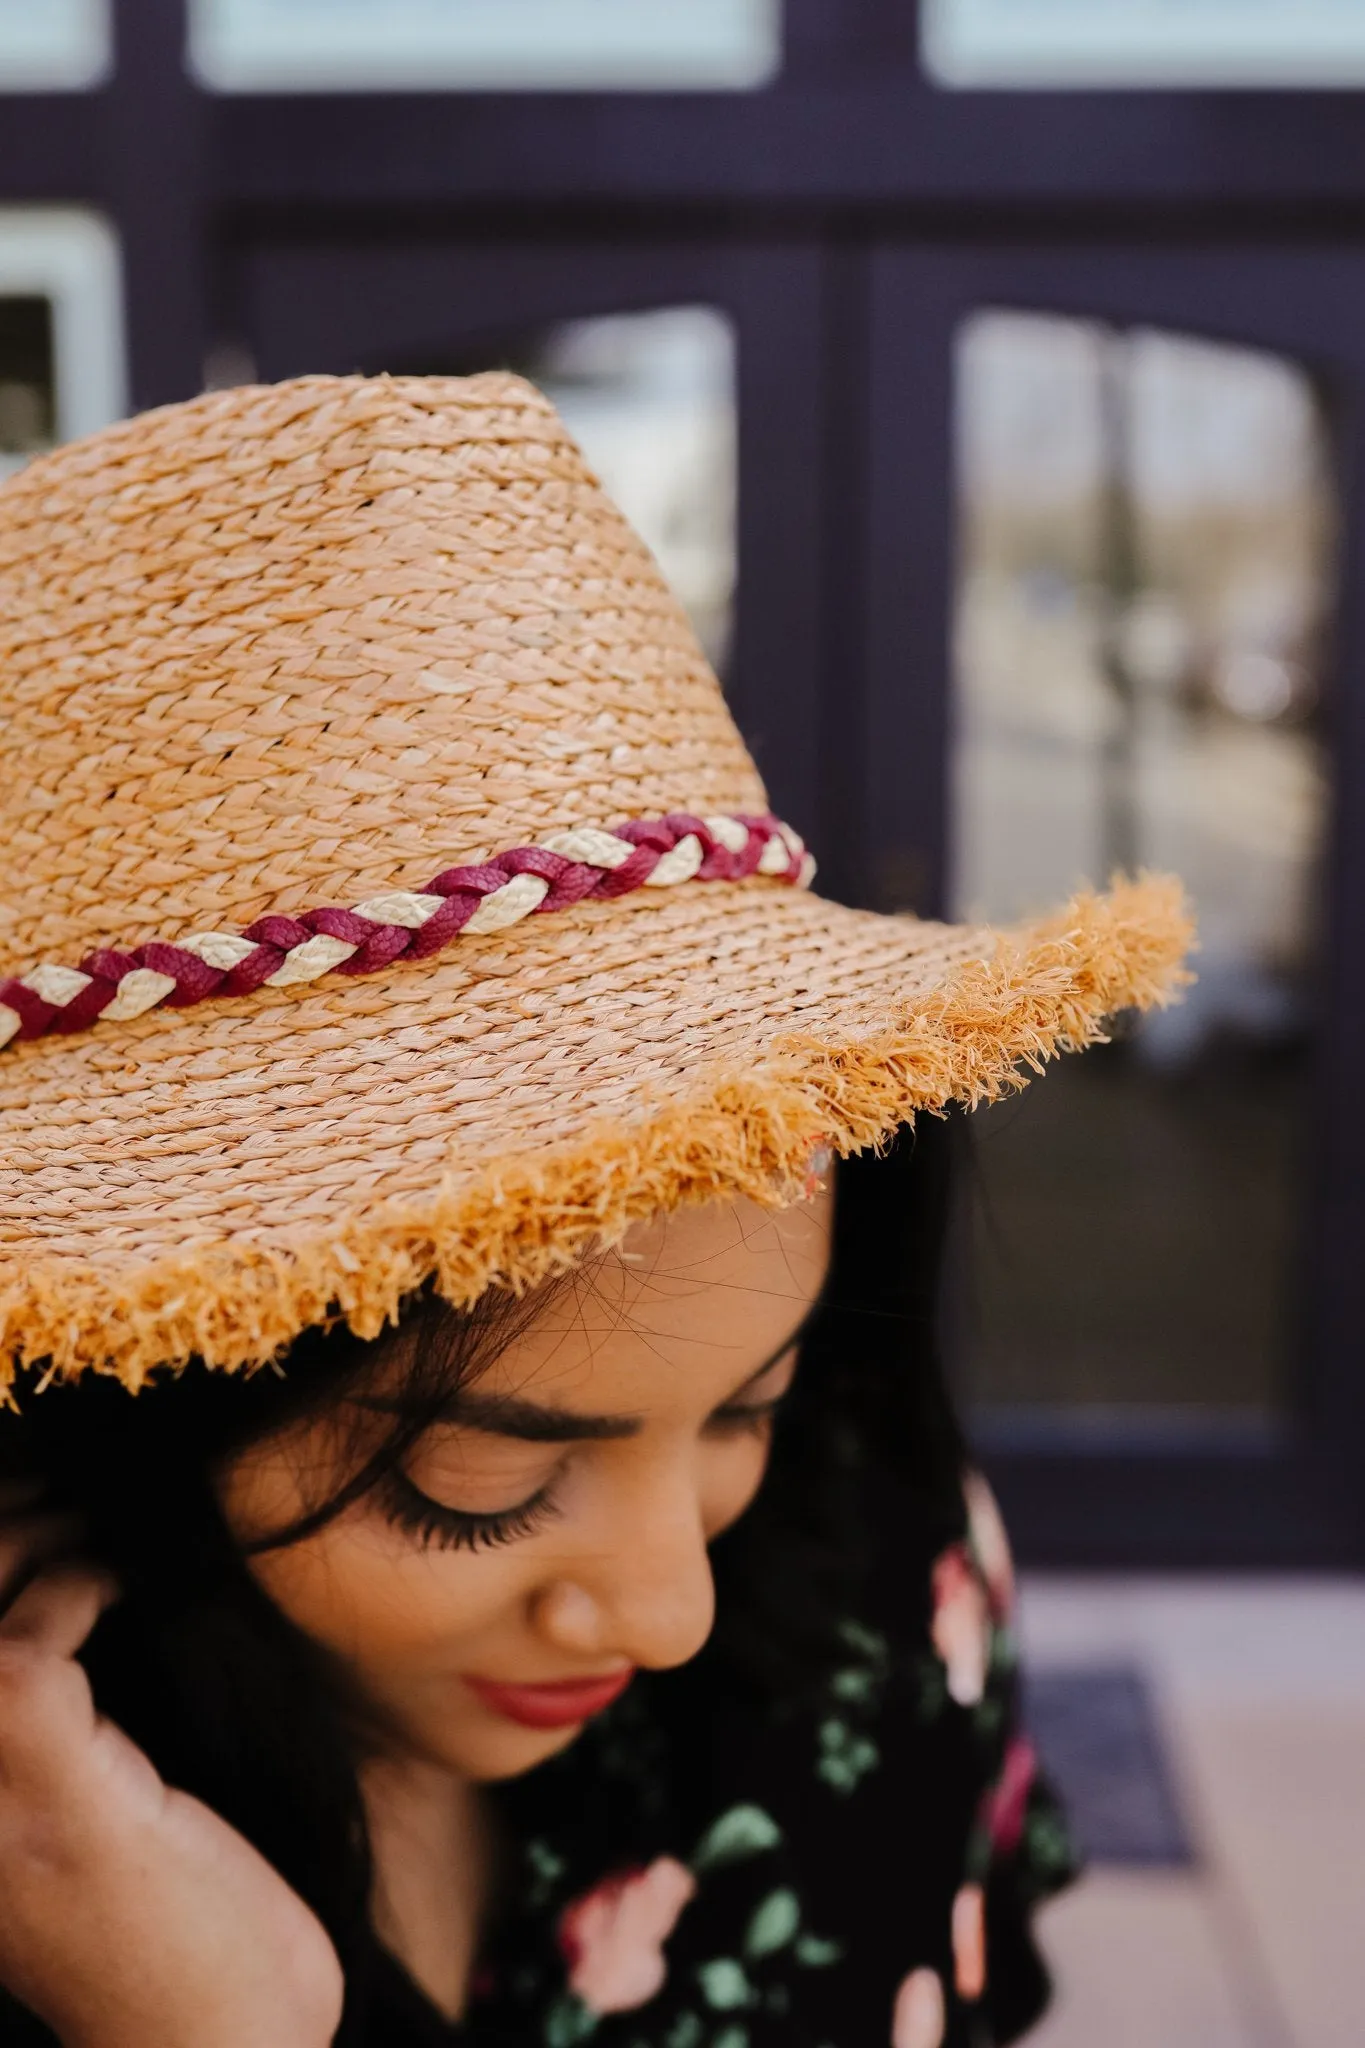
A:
<point x="1051" y="43"/>
<point x="483" y="45"/>
<point x="27" y="380"/>
<point x="1143" y="603"/>
<point x="61" y="328"/>
<point x="54" y="45"/>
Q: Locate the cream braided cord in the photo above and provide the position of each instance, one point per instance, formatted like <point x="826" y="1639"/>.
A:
<point x="282" y="952"/>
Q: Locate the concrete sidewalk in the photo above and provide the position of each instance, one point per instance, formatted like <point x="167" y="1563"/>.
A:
<point x="1259" y="1689"/>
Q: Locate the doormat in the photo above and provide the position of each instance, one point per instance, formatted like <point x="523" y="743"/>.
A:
<point x="1099" y="1737"/>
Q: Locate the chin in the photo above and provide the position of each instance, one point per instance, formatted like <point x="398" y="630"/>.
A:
<point x="524" y="1749"/>
<point x="487" y="1756"/>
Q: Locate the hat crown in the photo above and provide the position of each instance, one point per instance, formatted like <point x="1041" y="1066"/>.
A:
<point x="292" y="644"/>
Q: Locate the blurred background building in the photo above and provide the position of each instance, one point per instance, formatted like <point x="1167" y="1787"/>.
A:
<point x="989" y="378"/>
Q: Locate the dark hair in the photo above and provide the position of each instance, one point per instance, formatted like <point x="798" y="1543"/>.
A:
<point x="236" y="1706"/>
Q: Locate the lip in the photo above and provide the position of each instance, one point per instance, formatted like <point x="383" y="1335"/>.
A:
<point x="559" y="1705"/>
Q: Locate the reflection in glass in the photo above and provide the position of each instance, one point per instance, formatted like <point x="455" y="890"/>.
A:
<point x="651" y="400"/>
<point x="61" y="328"/>
<point x="27" y="380"/>
<point x="1142" y="611"/>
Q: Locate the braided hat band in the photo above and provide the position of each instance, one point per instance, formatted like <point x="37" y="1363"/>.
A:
<point x="578" y="866"/>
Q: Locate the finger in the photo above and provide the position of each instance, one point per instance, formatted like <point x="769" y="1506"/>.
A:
<point x="57" y="1610"/>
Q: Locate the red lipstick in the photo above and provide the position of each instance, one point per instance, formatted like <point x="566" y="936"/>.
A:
<point x="558" y="1705"/>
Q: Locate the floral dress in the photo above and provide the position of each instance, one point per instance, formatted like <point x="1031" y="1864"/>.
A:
<point x="700" y="1871"/>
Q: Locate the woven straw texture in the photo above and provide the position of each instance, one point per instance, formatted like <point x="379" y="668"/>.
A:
<point x="295" y="645"/>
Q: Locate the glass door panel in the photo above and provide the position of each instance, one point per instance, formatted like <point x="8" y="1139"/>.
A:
<point x="61" y="329"/>
<point x="1143" y="599"/>
<point x="28" y="406"/>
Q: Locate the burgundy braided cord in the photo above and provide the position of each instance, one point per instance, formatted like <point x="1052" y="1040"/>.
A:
<point x="275" y="937"/>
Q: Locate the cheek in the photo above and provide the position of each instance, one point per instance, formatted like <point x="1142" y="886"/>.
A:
<point x="731" y="1475"/>
<point x="359" y="1587"/>
<point x="372" y="1598"/>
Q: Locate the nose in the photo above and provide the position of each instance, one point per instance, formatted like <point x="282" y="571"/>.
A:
<point x="647" y="1594"/>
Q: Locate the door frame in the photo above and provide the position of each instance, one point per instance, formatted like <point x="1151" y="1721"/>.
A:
<point x="1291" y="1494"/>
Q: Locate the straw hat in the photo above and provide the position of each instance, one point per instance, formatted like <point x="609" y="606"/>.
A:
<point x="385" y="892"/>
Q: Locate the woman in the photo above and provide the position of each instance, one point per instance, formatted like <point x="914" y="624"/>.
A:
<point x="405" y="1281"/>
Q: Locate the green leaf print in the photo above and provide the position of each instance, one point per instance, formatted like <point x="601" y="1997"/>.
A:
<point x="845" y="1757"/>
<point x="816" y="1953"/>
<point x="933" y="1689"/>
<point x="989" y="1715"/>
<point x="724" y="1985"/>
<point x="867" y="1642"/>
<point x="977" y="1862"/>
<point x="1047" y="1842"/>
<point x="568" y="2022"/>
<point x="773" y="1925"/>
<point x="547" y="1867"/>
<point x="743" y="1831"/>
<point x="732" y="2037"/>
<point x="685" y="2032"/>
<point x="855" y="1686"/>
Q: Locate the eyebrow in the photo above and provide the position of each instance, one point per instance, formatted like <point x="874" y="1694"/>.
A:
<point x="529" y="1422"/>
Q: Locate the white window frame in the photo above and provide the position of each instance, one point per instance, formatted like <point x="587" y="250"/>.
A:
<point x="70" y="257"/>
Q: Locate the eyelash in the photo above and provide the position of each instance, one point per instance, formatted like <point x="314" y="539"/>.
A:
<point x="433" y="1525"/>
<point x="753" y="1419"/>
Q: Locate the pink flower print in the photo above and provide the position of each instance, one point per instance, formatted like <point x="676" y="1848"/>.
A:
<point x="919" y="2017"/>
<point x="961" y="1628"/>
<point x="1007" y="1802"/>
<point x="990" y="1545"/>
<point x="612" y="1939"/>
<point x="969" y="1942"/>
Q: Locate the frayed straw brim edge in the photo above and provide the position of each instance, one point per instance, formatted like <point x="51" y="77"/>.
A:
<point x="238" y="1304"/>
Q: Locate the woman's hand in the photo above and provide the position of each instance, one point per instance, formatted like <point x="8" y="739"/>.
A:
<point x="130" y="1915"/>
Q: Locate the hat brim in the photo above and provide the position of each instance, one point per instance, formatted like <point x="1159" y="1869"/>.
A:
<point x="209" y="1183"/>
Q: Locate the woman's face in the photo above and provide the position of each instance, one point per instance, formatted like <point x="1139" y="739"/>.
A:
<point x="550" y="1536"/>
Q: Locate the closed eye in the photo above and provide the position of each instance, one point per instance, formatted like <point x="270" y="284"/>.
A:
<point x="742" y="1414"/>
<point x="752" y="1418"/>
